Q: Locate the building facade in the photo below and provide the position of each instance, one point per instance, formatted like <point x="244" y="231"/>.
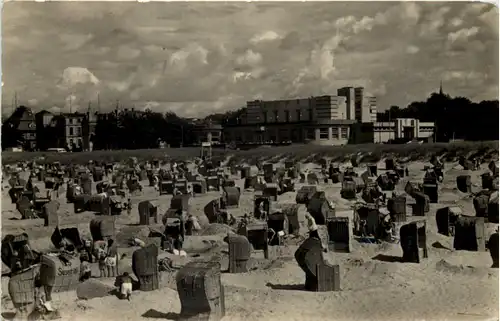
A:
<point x="69" y="129"/>
<point x="207" y="133"/>
<point x="318" y="120"/>
<point x="404" y="129"/>
<point x="19" y="130"/>
<point x="360" y="107"/>
<point x="348" y="93"/>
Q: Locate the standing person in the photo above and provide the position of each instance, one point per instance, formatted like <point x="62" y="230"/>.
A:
<point x="179" y="240"/>
<point x="311" y="225"/>
<point x="111" y="258"/>
<point x="85" y="271"/>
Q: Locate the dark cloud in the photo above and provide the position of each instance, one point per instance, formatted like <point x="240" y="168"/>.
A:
<point x="197" y="58"/>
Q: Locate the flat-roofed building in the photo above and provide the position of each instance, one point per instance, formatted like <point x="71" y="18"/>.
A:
<point x="319" y="120"/>
<point x="404" y="129"/>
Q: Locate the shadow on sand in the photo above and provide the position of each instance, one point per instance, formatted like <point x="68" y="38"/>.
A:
<point x="292" y="287"/>
<point x="438" y="245"/>
<point x="154" y="314"/>
<point x="387" y="258"/>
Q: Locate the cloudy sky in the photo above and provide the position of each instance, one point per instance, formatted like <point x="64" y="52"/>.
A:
<point x="200" y="58"/>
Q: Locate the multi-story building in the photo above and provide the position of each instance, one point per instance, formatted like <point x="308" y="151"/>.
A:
<point x="360" y="107"/>
<point x="319" y="120"/>
<point x="21" y="127"/>
<point x="348" y="93"/>
<point x="69" y="129"/>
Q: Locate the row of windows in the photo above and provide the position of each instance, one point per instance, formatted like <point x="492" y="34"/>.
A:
<point x="73" y="132"/>
<point x="74" y="121"/>
<point x="294" y="134"/>
<point x="298" y="114"/>
<point x="324" y="133"/>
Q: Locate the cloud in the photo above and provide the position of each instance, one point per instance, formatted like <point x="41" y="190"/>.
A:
<point x="164" y="56"/>
<point x="463" y="34"/>
<point x="456" y="22"/>
<point x="412" y="49"/>
<point x="250" y="58"/>
<point x="73" y="76"/>
<point x="265" y="36"/>
<point x="434" y="21"/>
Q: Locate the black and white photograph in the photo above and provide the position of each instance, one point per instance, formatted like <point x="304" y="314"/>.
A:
<point x="258" y="160"/>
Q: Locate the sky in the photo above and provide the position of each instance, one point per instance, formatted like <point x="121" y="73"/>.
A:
<point x="200" y="58"/>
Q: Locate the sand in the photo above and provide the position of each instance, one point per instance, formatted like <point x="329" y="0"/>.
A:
<point x="449" y="285"/>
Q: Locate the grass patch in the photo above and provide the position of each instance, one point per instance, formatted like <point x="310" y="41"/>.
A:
<point x="312" y="153"/>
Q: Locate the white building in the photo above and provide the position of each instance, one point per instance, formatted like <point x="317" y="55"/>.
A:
<point x="359" y="107"/>
<point x="402" y="128"/>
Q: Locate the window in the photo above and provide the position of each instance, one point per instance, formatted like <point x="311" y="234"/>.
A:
<point x="323" y="133"/>
<point x="299" y="114"/>
<point x="78" y="131"/>
<point x="310" y="114"/>
<point x="71" y="131"/>
<point x="310" y="134"/>
<point x="276" y="116"/>
<point x="287" y="116"/>
<point x="265" y="116"/>
<point x="335" y="133"/>
<point x="343" y="132"/>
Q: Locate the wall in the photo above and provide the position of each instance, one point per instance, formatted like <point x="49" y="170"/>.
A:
<point x="426" y="129"/>
<point x="361" y="133"/>
<point x="348" y="93"/>
<point x="329" y="107"/>
<point x="73" y="131"/>
<point x="385" y="131"/>
<point x="330" y="135"/>
<point x="372" y="102"/>
<point x="296" y="110"/>
<point x="327" y="134"/>
<point x="264" y="111"/>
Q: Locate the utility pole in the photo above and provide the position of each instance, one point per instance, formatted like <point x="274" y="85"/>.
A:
<point x="15" y="102"/>
<point x="182" y="135"/>
<point x="70" y="104"/>
<point x="98" y="104"/>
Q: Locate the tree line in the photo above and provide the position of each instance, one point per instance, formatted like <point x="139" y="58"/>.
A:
<point x="140" y="130"/>
<point x="454" y="118"/>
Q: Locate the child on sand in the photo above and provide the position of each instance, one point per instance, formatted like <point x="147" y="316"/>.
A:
<point x="125" y="284"/>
